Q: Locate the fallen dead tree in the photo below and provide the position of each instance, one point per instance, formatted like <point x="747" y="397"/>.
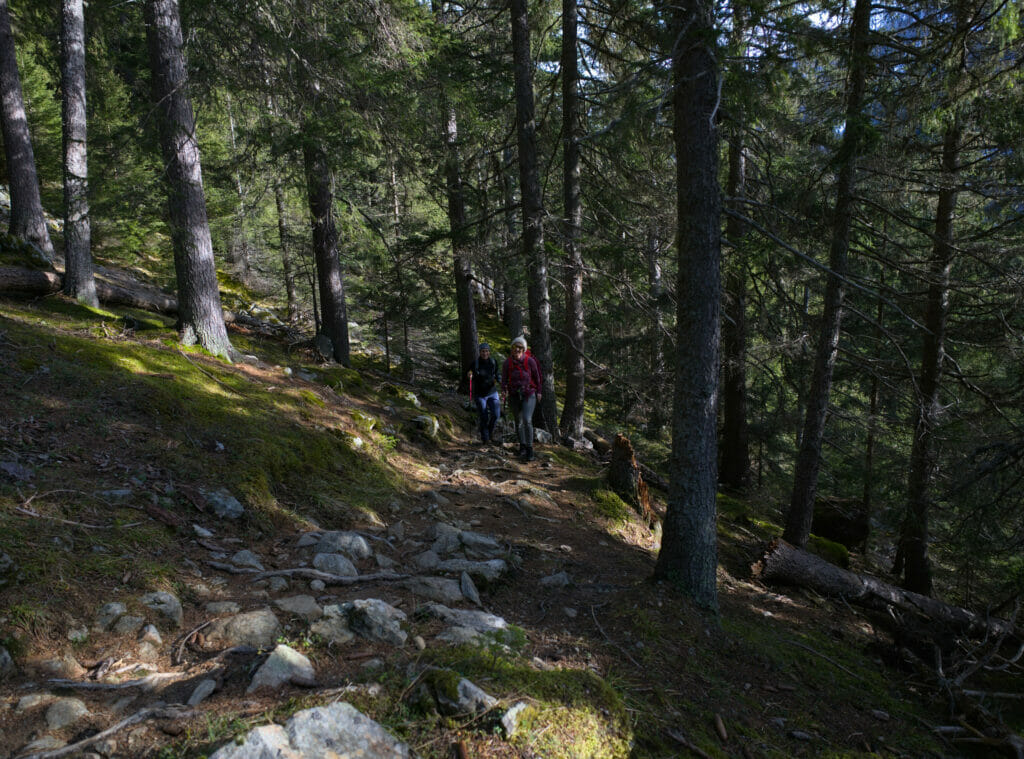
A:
<point x="788" y="565"/>
<point x="15" y="280"/>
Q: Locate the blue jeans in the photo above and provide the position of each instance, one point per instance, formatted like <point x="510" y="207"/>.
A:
<point x="489" y="409"/>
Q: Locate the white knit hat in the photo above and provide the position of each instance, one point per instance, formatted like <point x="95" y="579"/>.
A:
<point x="520" y="341"/>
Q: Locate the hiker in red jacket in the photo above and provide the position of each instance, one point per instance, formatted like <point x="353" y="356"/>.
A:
<point x="521" y="383"/>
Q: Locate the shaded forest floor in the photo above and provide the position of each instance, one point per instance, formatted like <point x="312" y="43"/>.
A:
<point x="107" y="432"/>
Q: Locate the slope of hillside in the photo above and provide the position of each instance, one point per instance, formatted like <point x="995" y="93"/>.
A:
<point x="135" y="475"/>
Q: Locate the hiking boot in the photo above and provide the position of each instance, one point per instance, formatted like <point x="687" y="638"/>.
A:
<point x="528" y="456"/>
<point x="522" y="450"/>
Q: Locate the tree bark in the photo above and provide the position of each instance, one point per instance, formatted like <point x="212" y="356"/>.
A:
<point x="320" y="187"/>
<point x="28" y="221"/>
<point x="571" y="425"/>
<point x="808" y="464"/>
<point x="79" y="282"/>
<point x="287" y="262"/>
<point x="626" y="479"/>
<point x="200" y="318"/>
<point x="786" y="564"/>
<point x="734" y="458"/>
<point x="913" y="544"/>
<point x="689" y="553"/>
<point x="533" y="213"/>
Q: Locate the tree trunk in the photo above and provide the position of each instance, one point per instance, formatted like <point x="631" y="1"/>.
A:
<point x="287" y="263"/>
<point x="79" y="282"/>
<point x="914" y="530"/>
<point x="27" y="219"/>
<point x="626" y="479"/>
<point x="533" y="214"/>
<point x="808" y="464"/>
<point x="786" y="564"/>
<point x="200" y="318"/>
<point x="659" y="415"/>
<point x="734" y="458"/>
<point x="320" y="187"/>
<point x="689" y="554"/>
<point x="571" y="425"/>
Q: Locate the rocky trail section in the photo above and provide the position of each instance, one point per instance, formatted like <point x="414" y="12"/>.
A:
<point x="146" y="666"/>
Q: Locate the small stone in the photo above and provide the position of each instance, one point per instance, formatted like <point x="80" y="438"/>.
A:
<point x="6" y="663"/>
<point x="202" y="692"/>
<point x="222" y="607"/>
<point x="78" y="634"/>
<point x="277" y="584"/>
<point x="419" y="642"/>
<point x="300" y="606"/>
<point x="468" y="588"/>
<point x="397" y="531"/>
<point x="64" y="712"/>
<point x="32" y="700"/>
<point x="247" y="559"/>
<point x="285" y="665"/>
<point x="166" y="605"/>
<point x="510" y="719"/>
<point x="427" y="560"/>
<point x="394" y="507"/>
<point x="384" y="562"/>
<point x="128" y="625"/>
<point x="570" y="612"/>
<point x="201" y="531"/>
<point x="335" y="564"/>
<point x="557" y="580"/>
<point x="333" y="626"/>
<point x="148" y="652"/>
<point x="374" y="663"/>
<point x="317" y="586"/>
<point x="800" y="735"/>
<point x="880" y="715"/>
<point x="224" y="505"/>
<point x="352" y="544"/>
<point x="308" y="539"/>
<point x="150" y="634"/>
<point x="108" y="614"/>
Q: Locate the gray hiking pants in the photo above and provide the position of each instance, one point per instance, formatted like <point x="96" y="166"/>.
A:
<point x="524" y="419"/>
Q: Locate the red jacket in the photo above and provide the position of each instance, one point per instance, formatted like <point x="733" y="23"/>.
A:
<point x="521" y="375"/>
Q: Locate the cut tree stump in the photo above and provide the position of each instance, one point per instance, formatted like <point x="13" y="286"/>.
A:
<point x="786" y="564"/>
<point x="625" y="478"/>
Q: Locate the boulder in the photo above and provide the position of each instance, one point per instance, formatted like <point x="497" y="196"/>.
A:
<point x="64" y="712"/>
<point x="255" y="628"/>
<point x="284" y="665"/>
<point x="485" y="572"/>
<point x="224" y="505"/>
<point x="373" y="619"/>
<point x="300" y="606"/>
<point x="108" y="614"/>
<point x="441" y="589"/>
<point x="165" y="605"/>
<point x="335" y="564"/>
<point x="335" y="730"/>
<point x="247" y="559"/>
<point x="352" y="544"/>
<point x="333" y="626"/>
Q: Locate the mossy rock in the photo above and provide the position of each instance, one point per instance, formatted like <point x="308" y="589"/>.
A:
<point x="611" y="506"/>
<point x="407" y="397"/>
<point x="364" y="422"/>
<point x="834" y="553"/>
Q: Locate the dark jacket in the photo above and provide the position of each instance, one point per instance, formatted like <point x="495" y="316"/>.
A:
<point x="521" y="375"/>
<point x="486" y="377"/>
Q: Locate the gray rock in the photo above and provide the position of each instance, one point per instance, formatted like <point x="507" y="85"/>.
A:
<point x="542" y="436"/>
<point x="46" y="743"/>
<point x="224" y="505"/>
<point x="419" y="642"/>
<point x="65" y="666"/>
<point x="446" y="539"/>
<point x="149" y="634"/>
<point x="166" y="605"/>
<point x="284" y="665"/>
<point x="201" y="531"/>
<point x="384" y="562"/>
<point x="396" y="531"/>
<point x="333" y="626"/>
<point x="277" y="584"/>
<point x="468" y="589"/>
<point x="427" y="424"/>
<point x="324" y="346"/>
<point x="438" y="498"/>
<point x="480" y="621"/>
<point x="461" y="636"/>
<point x="335" y="564"/>
<point x="352" y="544"/>
<point x="441" y="589"/>
<point x="557" y="580"/>
<point x="300" y="606"/>
<point x="336" y="730"/>
<point x="246" y="558"/>
<point x="148" y="652"/>
<point x="481" y="546"/>
<point x="427" y="560"/>
<point x="317" y="586"/>
<point x="109" y="614"/>
<point x="464" y="698"/>
<point x="32" y="700"/>
<point x="6" y="663"/>
<point x="308" y="539"/>
<point x="128" y="625"/>
<point x="255" y="628"/>
<point x="510" y="719"/>
<point x="78" y="634"/>
<point x="485" y="572"/>
<point x="222" y="607"/>
<point x="202" y="692"/>
<point x="373" y="619"/>
<point x="64" y="712"/>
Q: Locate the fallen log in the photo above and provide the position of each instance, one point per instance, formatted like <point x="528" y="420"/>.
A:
<point x="786" y="564"/>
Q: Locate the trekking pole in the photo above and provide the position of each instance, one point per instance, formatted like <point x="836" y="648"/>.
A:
<point x="471" y="386"/>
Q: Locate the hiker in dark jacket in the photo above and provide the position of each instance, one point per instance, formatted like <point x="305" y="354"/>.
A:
<point x="521" y="382"/>
<point x="484" y="379"/>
